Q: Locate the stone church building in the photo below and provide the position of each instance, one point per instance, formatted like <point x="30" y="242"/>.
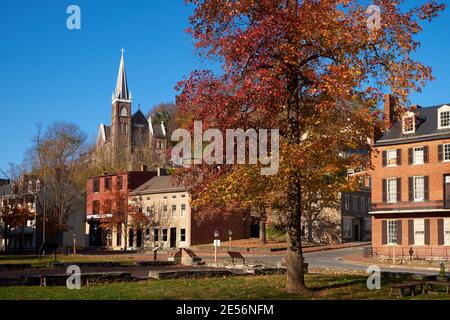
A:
<point x="132" y="140"/>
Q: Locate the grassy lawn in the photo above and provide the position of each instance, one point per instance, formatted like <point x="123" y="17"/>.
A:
<point x="247" y="288"/>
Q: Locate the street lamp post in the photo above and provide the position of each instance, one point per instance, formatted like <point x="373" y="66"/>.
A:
<point x="230" y="234"/>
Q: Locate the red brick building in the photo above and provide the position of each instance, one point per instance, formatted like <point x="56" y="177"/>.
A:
<point x="411" y="184"/>
<point x="106" y="194"/>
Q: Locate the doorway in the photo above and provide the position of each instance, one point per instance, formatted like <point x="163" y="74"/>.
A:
<point x="139" y="238"/>
<point x="447" y="191"/>
<point x="254" y="228"/>
<point x="173" y="237"/>
<point x="131" y="238"/>
<point x="356" y="233"/>
<point x="95" y="234"/>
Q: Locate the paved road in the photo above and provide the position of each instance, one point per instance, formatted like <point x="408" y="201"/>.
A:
<point x="330" y="259"/>
<point x="333" y="260"/>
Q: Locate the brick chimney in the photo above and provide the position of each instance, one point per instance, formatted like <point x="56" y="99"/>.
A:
<point x="389" y="111"/>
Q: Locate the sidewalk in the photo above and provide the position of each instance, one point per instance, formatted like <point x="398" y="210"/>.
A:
<point x="358" y="259"/>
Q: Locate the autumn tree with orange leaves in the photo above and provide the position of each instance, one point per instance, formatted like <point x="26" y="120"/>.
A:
<point x="313" y="69"/>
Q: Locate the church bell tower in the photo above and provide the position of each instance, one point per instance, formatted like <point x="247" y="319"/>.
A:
<point x="121" y="117"/>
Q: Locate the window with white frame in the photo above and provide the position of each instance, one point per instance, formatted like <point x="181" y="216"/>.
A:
<point x="164" y="211"/>
<point x="392" y="232"/>
<point x="419" y="188"/>
<point x="447" y="231"/>
<point x="419" y="232"/>
<point x="418" y="155"/>
<point x="392" y="190"/>
<point x="391" y="157"/>
<point x="444" y="117"/>
<point x="164" y="235"/>
<point x="183" y="210"/>
<point x="174" y="210"/>
<point x="182" y="235"/>
<point x="346" y="202"/>
<point x="408" y="123"/>
<point x="446" y="152"/>
<point x="355" y="203"/>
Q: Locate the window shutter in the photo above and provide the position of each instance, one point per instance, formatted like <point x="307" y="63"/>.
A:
<point x="440" y="152"/>
<point x="410" y="156"/>
<point x="410" y="232"/>
<point x="426" y="154"/>
<point x="384" y="183"/>
<point x="399" y="189"/>
<point x="426" y="187"/>
<point x="399" y="231"/>
<point x="384" y="232"/>
<point x="440" y="232"/>
<point x="399" y="157"/>
<point x="427" y="232"/>
<point x="411" y="188"/>
<point x="384" y="158"/>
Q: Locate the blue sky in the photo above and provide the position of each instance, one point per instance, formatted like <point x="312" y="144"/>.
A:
<point x="48" y="72"/>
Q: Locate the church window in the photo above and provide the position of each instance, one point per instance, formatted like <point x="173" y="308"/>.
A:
<point x="123" y="112"/>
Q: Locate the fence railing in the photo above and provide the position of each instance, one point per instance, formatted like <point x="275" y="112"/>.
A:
<point x="410" y="253"/>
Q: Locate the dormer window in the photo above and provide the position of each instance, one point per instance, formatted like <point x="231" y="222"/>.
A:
<point x="408" y="123"/>
<point x="444" y="117"/>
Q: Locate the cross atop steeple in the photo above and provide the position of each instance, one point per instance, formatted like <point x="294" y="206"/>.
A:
<point x="122" y="85"/>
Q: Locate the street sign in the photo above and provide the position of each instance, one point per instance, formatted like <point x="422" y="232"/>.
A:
<point x="216" y="243"/>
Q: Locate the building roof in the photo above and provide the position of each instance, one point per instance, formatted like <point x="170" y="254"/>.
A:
<point x="160" y="184"/>
<point x="157" y="129"/>
<point x="426" y="129"/>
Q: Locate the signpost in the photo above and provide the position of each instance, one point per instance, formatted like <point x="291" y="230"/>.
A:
<point x="216" y="245"/>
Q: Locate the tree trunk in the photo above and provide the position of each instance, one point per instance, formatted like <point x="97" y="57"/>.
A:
<point x="262" y="231"/>
<point x="295" y="282"/>
<point x="126" y="236"/>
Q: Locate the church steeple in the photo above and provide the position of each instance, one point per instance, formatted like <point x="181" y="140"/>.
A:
<point x="121" y="126"/>
<point x="122" y="92"/>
